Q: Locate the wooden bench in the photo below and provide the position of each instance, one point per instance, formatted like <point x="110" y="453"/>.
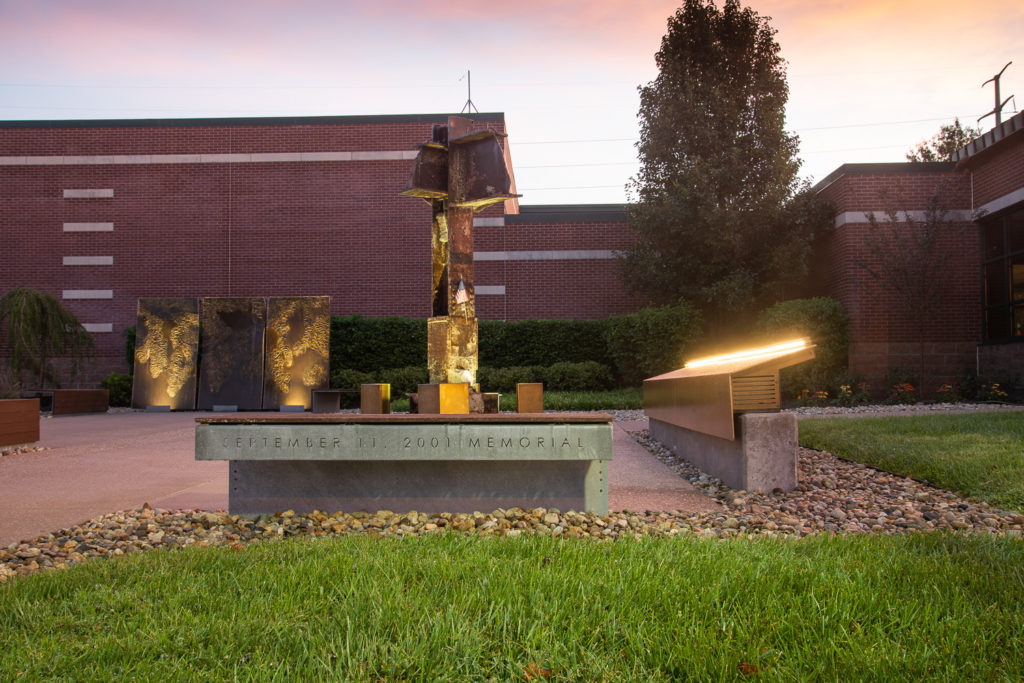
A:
<point x="19" y="421"/>
<point x="74" y="401"/>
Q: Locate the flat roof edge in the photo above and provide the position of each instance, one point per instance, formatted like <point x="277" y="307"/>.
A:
<point x="893" y="168"/>
<point x="569" y="213"/>
<point x="245" y="121"/>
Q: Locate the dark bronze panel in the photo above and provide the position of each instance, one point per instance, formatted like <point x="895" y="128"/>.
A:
<point x="231" y="366"/>
<point x="166" y="346"/>
<point x="702" y="403"/>
<point x="297" y="350"/>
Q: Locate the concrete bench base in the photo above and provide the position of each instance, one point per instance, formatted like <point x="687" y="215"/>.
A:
<point x="427" y="463"/>
<point x="762" y="457"/>
<point x="259" y="487"/>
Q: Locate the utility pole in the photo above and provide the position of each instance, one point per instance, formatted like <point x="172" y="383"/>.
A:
<point x="469" y="107"/>
<point x="998" y="109"/>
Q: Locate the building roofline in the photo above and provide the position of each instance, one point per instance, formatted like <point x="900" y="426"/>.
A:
<point x="989" y="139"/>
<point x="246" y="121"/>
<point x="568" y="213"/>
<point x="893" y="168"/>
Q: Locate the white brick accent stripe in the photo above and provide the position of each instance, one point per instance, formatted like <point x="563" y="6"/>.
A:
<point x="88" y="261"/>
<point x="553" y="255"/>
<point x="98" y="327"/>
<point x="961" y="216"/>
<point x="88" y="294"/>
<point x="273" y="157"/>
<point x="88" y="227"/>
<point x="497" y="222"/>
<point x="489" y="289"/>
<point x="88" y="194"/>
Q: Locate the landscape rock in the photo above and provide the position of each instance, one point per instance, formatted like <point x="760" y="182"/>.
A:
<point x="833" y="496"/>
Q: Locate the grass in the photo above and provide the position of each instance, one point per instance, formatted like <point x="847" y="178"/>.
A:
<point x="980" y="456"/>
<point x="615" y="399"/>
<point x="918" y="607"/>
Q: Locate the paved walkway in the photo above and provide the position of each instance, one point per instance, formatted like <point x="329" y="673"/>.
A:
<point x="96" y="464"/>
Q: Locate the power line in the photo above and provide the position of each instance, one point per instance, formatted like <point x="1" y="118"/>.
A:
<point x="600" y="163"/>
<point x="573" y="187"/>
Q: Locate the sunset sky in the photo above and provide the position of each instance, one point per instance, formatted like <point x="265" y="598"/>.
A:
<point x="867" y="80"/>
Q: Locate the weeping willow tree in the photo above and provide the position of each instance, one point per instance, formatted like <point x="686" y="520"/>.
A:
<point x="40" y="329"/>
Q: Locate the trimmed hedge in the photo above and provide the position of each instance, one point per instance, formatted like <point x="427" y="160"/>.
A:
<point x="120" y="388"/>
<point x="824" y="321"/>
<point x="564" y="376"/>
<point x="628" y="348"/>
<point x="542" y="342"/>
<point x="373" y="344"/>
<point x="653" y="341"/>
<point x="404" y="380"/>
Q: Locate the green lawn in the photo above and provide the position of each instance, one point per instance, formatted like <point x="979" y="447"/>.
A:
<point x="978" y="455"/>
<point x="917" y="607"/>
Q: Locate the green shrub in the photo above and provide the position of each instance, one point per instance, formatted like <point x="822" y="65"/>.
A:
<point x="120" y="388"/>
<point x="504" y="380"/>
<point x="823" y="321"/>
<point x="404" y="380"/>
<point x="586" y="376"/>
<point x="652" y="341"/>
<point x="541" y="342"/>
<point x="374" y="344"/>
<point x="346" y="378"/>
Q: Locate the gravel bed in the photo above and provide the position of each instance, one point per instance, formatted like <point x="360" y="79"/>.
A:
<point x="833" y="496"/>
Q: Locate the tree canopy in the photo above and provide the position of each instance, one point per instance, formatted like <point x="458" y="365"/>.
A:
<point x="713" y="203"/>
<point x="941" y="146"/>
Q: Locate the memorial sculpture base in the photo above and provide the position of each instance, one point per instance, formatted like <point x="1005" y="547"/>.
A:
<point x="427" y="463"/>
<point x="763" y="456"/>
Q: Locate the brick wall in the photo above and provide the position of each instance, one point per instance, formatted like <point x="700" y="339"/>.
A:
<point x="263" y="226"/>
<point x="999" y="173"/>
<point x="884" y="334"/>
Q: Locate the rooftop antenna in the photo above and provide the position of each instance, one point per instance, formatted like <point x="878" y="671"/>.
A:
<point x="998" y="110"/>
<point x="469" y="106"/>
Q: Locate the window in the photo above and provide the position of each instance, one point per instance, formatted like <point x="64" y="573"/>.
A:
<point x="1003" y="277"/>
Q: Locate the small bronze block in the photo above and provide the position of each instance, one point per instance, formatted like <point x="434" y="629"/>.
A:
<point x="530" y="397"/>
<point x="444" y="399"/>
<point x="375" y="399"/>
<point x="429" y="400"/>
<point x="326" y="401"/>
<point x="491" y="403"/>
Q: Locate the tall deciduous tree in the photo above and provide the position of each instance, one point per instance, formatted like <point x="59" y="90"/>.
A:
<point x="940" y="146"/>
<point x="713" y="203"/>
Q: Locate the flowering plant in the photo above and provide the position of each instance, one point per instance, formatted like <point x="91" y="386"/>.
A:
<point x="992" y="392"/>
<point x="812" y="398"/>
<point x="948" y="392"/>
<point x="904" y="392"/>
<point x="852" y="394"/>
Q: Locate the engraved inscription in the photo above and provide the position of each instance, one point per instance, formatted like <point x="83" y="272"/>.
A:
<point x="267" y="442"/>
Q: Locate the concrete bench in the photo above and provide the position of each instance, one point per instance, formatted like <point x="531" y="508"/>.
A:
<point x="428" y="463"/>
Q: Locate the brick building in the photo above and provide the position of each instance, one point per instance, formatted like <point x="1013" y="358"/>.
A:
<point x="977" y="324"/>
<point x="102" y="213"/>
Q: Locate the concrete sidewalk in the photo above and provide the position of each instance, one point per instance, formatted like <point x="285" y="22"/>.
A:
<point x="97" y="464"/>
